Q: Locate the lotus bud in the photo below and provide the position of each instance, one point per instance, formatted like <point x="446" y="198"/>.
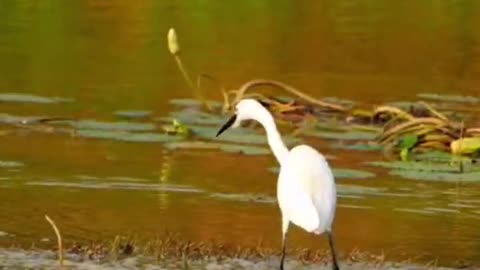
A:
<point x="173" y="42"/>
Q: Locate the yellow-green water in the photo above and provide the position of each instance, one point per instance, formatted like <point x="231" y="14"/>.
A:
<point x="111" y="55"/>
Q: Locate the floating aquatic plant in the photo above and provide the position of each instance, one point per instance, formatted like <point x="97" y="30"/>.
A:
<point x="125" y="135"/>
<point x="341" y="173"/>
<point x="132" y="114"/>
<point x="449" y="98"/>
<point x="28" y="98"/>
<point x="229" y="148"/>
<point x="10" y="164"/>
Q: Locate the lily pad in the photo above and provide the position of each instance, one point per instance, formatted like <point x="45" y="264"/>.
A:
<point x="415" y="211"/>
<point x="351" y="173"/>
<point x="440" y="157"/>
<point x="341" y="173"/>
<point x="193" y="102"/>
<point x="341" y="101"/>
<point x="412" y="166"/>
<point x="358" y="147"/>
<point x="348" y="135"/>
<point x="14" y="119"/>
<point x="237" y="135"/>
<point x="438" y="176"/>
<point x="449" y="98"/>
<point x="461" y="205"/>
<point x="125" y="136"/>
<point x="354" y="206"/>
<point x="230" y="148"/>
<point x="10" y="164"/>
<point x="359" y="190"/>
<point x="132" y="114"/>
<point x="196" y="117"/>
<point x="442" y="210"/>
<point x="28" y="98"/>
<point x="111" y="126"/>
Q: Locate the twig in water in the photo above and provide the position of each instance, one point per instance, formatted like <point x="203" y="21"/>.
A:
<point x="59" y="239"/>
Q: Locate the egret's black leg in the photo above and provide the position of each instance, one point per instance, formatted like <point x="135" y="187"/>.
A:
<point x="284" y="241"/>
<point x="332" y="250"/>
<point x="284" y="245"/>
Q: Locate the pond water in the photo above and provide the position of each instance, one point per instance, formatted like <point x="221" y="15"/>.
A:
<point x="108" y="56"/>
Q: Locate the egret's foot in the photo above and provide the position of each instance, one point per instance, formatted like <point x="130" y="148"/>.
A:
<point x="335" y="266"/>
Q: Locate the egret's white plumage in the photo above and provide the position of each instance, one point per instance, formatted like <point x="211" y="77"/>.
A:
<point x="306" y="188"/>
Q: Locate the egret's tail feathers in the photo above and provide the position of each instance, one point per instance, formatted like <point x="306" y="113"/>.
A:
<point x="307" y="218"/>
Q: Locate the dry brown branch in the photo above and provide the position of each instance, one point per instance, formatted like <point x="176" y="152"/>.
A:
<point x="264" y="82"/>
<point x="395" y="111"/>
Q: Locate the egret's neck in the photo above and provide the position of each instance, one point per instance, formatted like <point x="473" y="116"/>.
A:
<point x="273" y="136"/>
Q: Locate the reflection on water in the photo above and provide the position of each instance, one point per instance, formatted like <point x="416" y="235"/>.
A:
<point x="111" y="56"/>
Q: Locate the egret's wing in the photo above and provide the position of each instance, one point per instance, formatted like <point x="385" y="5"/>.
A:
<point x="294" y="200"/>
<point x="325" y="195"/>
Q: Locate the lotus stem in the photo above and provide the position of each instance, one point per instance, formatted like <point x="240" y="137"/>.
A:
<point x="59" y="239"/>
<point x="174" y="48"/>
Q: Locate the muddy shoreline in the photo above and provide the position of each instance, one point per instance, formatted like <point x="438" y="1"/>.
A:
<point x="47" y="259"/>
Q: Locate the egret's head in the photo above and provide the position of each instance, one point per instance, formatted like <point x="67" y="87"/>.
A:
<point x="246" y="109"/>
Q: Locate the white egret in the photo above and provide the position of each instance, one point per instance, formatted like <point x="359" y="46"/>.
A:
<point x="305" y="189"/>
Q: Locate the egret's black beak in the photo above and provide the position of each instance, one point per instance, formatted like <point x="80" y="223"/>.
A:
<point x="228" y="124"/>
